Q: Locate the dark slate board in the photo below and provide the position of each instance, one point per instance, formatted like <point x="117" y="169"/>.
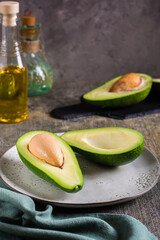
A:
<point x="150" y="105"/>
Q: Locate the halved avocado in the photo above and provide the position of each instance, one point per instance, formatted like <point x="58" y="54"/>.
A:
<point x="113" y="146"/>
<point x="68" y="177"/>
<point x="155" y="85"/>
<point x="102" y="96"/>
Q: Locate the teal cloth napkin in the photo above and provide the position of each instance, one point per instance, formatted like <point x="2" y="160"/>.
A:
<point x="19" y="220"/>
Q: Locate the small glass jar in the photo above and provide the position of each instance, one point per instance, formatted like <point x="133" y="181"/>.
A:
<point x="40" y="74"/>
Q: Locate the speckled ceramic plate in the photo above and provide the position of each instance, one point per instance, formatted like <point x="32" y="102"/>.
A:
<point x="102" y="185"/>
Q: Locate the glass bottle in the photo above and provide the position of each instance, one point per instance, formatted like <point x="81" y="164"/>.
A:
<point x="13" y="74"/>
<point x="40" y="75"/>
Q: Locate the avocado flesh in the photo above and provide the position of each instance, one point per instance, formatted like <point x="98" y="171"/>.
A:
<point x="113" y="146"/>
<point x="69" y="177"/>
<point x="103" y="98"/>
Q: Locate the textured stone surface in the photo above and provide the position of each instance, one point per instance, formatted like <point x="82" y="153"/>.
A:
<point x="99" y="39"/>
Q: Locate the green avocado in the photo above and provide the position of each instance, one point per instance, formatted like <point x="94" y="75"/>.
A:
<point x="112" y="146"/>
<point x="69" y="177"/>
<point x="155" y="85"/>
<point x="102" y="97"/>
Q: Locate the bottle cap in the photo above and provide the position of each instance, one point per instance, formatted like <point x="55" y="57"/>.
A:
<point x="28" y="19"/>
<point x="9" y="7"/>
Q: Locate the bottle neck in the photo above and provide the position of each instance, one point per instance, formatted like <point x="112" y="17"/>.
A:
<point x="9" y="34"/>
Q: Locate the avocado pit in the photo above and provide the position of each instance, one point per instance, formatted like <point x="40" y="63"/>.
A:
<point x="45" y="147"/>
<point x="127" y="82"/>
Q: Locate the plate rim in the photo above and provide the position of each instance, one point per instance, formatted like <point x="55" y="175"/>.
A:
<point x="83" y="205"/>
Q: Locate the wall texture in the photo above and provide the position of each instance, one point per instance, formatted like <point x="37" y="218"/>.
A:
<point x="99" y="39"/>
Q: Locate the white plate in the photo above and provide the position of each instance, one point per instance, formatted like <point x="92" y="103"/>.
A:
<point x="102" y="185"/>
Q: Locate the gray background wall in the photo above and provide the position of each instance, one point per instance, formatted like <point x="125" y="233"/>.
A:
<point x="99" y="39"/>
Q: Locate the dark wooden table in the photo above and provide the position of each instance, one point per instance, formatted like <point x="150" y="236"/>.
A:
<point x="145" y="208"/>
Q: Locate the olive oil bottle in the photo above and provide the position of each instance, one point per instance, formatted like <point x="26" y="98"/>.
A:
<point x="13" y="74"/>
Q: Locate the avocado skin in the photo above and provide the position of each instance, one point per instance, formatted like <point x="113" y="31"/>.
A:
<point x="122" y="100"/>
<point x="42" y="174"/>
<point x="46" y="177"/>
<point x="111" y="159"/>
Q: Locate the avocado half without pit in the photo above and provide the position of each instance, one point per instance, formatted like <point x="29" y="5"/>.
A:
<point x="112" y="146"/>
<point x="121" y="91"/>
<point x="51" y="158"/>
<point x="155" y="86"/>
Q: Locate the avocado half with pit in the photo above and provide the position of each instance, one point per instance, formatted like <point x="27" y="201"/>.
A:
<point x="113" y="146"/>
<point x="51" y="158"/>
<point x="121" y="91"/>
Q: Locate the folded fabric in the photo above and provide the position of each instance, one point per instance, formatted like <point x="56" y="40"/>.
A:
<point x="149" y="106"/>
<point x="19" y="219"/>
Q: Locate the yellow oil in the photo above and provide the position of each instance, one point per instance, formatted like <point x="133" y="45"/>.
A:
<point x="13" y="94"/>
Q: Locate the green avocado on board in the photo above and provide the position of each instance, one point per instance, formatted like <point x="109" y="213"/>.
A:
<point x="155" y="86"/>
<point x="121" y="91"/>
<point x="113" y="146"/>
<point x="51" y="158"/>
